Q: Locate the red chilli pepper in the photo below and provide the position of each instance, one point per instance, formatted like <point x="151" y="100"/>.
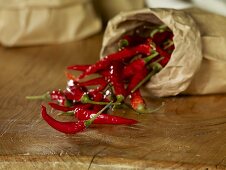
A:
<point x="137" y="65"/>
<point x="80" y="94"/>
<point x="118" y="56"/>
<point x="97" y="97"/>
<point x="164" y="61"/>
<point x="65" y="127"/>
<point x="55" y="95"/>
<point x="66" y="109"/>
<point x="137" y="102"/>
<point x="58" y="95"/>
<point x="96" y="81"/>
<point x="131" y="40"/>
<point x="70" y="127"/>
<point x="75" y="92"/>
<point x="135" y="80"/>
<point x="160" y="37"/>
<point x="162" y="52"/>
<point x="84" y="114"/>
<point x="70" y="76"/>
<point x="115" y="77"/>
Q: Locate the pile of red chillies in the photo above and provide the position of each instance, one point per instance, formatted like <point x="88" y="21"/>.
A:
<point x="115" y="82"/>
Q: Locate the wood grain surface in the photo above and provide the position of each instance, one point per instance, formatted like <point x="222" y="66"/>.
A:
<point x="188" y="132"/>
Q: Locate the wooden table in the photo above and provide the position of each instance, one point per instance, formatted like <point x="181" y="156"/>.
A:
<point x="188" y="132"/>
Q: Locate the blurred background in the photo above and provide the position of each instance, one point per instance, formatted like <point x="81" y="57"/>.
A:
<point x="32" y="22"/>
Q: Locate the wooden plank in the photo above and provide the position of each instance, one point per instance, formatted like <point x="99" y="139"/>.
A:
<point x="188" y="132"/>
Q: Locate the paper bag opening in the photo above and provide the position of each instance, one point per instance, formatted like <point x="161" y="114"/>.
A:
<point x="186" y="59"/>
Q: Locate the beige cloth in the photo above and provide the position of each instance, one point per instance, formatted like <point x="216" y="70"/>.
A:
<point x="108" y="9"/>
<point x="32" y="22"/>
<point x="198" y="62"/>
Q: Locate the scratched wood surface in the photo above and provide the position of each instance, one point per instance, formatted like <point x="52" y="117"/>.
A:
<point x="188" y="132"/>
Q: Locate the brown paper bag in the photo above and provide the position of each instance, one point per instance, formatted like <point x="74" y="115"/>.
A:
<point x="197" y="63"/>
<point x="32" y="22"/>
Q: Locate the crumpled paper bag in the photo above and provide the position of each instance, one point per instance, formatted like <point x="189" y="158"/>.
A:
<point x="198" y="62"/>
<point x="32" y="22"/>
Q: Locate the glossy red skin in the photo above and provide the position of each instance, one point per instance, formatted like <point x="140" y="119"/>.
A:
<point x="75" y="92"/>
<point x="96" y="96"/>
<point x="126" y="53"/>
<point x="84" y="114"/>
<point x="115" y="77"/>
<point x="59" y="96"/>
<point x="133" y="67"/>
<point x="136" y="100"/>
<point x="162" y="52"/>
<point x="161" y="37"/>
<point x="99" y="81"/>
<point x="135" y="80"/>
<point x="71" y="108"/>
<point x="65" y="127"/>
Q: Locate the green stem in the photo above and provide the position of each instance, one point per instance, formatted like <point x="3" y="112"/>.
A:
<point x="123" y="43"/>
<point x="156" y="67"/>
<point x="159" y="29"/>
<point x="45" y="96"/>
<point x="144" y="110"/>
<point x="168" y="45"/>
<point x="148" y="110"/>
<point x="90" y="121"/>
<point x="149" y="58"/>
<point x="143" y="81"/>
<point x="85" y="99"/>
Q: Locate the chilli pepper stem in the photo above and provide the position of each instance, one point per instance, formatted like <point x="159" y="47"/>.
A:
<point x="159" y="29"/>
<point x="90" y="121"/>
<point x="170" y="43"/>
<point x="146" y="110"/>
<point x="156" y="68"/>
<point x="143" y="81"/>
<point x="45" y="96"/>
<point x="85" y="99"/>
<point x="149" y="58"/>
